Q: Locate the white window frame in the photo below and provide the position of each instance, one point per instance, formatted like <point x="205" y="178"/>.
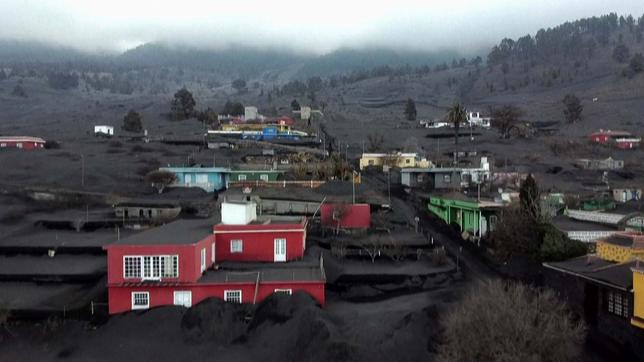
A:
<point x="174" y="297"/>
<point x="227" y="297"/>
<point x="147" y="297"/>
<point x="234" y="249"/>
<point x="263" y="177"/>
<point x="212" y="253"/>
<point x="203" y="259"/>
<point x="288" y="291"/>
<point x="241" y="177"/>
<point x="3" y="145"/>
<point x="158" y="267"/>
<point x="282" y="244"/>
<point x="618" y="304"/>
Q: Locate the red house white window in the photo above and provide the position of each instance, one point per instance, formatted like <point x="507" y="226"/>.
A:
<point x="283" y="291"/>
<point x="203" y="259"/>
<point x="140" y="300"/>
<point x="233" y="296"/>
<point x="151" y="266"/>
<point x="236" y="246"/>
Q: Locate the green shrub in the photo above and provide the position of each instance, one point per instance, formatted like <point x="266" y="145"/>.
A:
<point x="556" y="246"/>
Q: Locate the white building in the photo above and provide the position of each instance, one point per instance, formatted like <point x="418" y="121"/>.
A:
<point x="475" y="119"/>
<point x="104" y="131"/>
<point x="250" y="113"/>
<point x="238" y="212"/>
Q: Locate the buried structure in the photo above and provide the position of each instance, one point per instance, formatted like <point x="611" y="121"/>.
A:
<point x="183" y="263"/>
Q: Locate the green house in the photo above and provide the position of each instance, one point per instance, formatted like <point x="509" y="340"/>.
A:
<point x="473" y="218"/>
<point x="253" y="175"/>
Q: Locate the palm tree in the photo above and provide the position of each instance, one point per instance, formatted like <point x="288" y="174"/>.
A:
<point x="456" y="116"/>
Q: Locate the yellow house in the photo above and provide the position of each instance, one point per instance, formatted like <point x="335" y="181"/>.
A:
<point x="638" y="295"/>
<point x="400" y="160"/>
<point x="621" y="247"/>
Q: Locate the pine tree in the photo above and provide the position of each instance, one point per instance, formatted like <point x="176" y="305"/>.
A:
<point x="529" y="197"/>
<point x="410" y="110"/>
<point x="572" y="108"/>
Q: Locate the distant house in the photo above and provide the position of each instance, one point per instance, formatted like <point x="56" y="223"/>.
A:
<point x="476" y="119"/>
<point x="22" y="142"/>
<point x="250" y="113"/>
<point x="621" y="139"/>
<point x="593" y="164"/>
<point x="438" y="178"/>
<point x="147" y="210"/>
<point x="182" y="263"/>
<point x="625" y="195"/>
<point x="209" y="179"/>
<point x="471" y="217"/>
<point x="105" y="131"/>
<point x="346" y="216"/>
<point x="400" y="160"/>
<point x="253" y="175"/>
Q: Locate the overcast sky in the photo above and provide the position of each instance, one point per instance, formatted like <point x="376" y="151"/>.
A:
<point x="315" y="26"/>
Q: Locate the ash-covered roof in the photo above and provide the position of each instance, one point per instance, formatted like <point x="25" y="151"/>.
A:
<point x="591" y="267"/>
<point x="179" y="232"/>
<point x="277" y="274"/>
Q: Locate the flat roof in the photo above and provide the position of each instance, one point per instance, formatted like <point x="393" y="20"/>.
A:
<point x="593" y="268"/>
<point x="183" y="231"/>
<point x="195" y="169"/>
<point x="276" y="274"/>
<point x="255" y="171"/>
<point x="562" y="222"/>
<point x="285" y="222"/>
<point x="21" y="139"/>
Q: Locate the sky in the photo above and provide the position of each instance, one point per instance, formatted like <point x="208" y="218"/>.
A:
<point x="310" y="26"/>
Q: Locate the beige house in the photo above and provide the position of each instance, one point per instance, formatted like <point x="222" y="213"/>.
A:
<point x="400" y="160"/>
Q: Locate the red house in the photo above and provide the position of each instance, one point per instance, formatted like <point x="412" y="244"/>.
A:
<point x="25" y="143"/>
<point x="348" y="216"/>
<point x="627" y="143"/>
<point x="266" y="239"/>
<point x="177" y="264"/>
<point x="604" y="136"/>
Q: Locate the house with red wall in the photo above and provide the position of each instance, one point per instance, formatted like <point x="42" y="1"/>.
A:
<point x="179" y="264"/>
<point x="622" y="139"/>
<point x="22" y="142"/>
<point x="346" y="216"/>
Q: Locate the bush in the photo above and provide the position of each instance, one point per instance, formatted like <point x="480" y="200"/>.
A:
<point x="556" y="246"/>
<point x="133" y="122"/>
<point x="498" y="321"/>
<point x="52" y="145"/>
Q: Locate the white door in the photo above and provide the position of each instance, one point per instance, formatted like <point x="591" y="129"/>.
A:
<point x="187" y="178"/>
<point x="183" y="298"/>
<point x="280" y="250"/>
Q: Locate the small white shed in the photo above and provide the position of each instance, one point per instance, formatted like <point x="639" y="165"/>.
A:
<point x="104" y="131"/>
<point x="238" y="212"/>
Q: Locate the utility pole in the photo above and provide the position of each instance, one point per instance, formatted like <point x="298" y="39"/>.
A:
<point x="353" y="185"/>
<point x="82" y="170"/>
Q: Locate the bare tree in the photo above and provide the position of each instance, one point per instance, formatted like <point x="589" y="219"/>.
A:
<point x="504" y="118"/>
<point x="340" y="210"/>
<point x="376" y="140"/>
<point x="499" y="321"/>
<point x="160" y="179"/>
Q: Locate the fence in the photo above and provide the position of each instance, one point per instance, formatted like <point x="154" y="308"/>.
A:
<point x="276" y="184"/>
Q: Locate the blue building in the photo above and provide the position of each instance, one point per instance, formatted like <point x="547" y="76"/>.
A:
<point x="209" y="179"/>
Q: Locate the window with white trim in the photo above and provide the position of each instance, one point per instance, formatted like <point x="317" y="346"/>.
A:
<point x="233" y="296"/>
<point x="140" y="300"/>
<point x="241" y="177"/>
<point x="447" y="178"/>
<point x="151" y="267"/>
<point x="212" y="254"/>
<point x="236" y="246"/>
<point x="203" y="259"/>
<point x="617" y="303"/>
<point x="132" y="267"/>
<point x="263" y="177"/>
<point x="283" y="291"/>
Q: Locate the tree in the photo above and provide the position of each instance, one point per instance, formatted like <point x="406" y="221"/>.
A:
<point x="183" y="104"/>
<point x="530" y="198"/>
<point x="239" y="85"/>
<point x="133" y="122"/>
<point x="19" y="91"/>
<point x="295" y="105"/>
<point x="621" y="53"/>
<point x="233" y="108"/>
<point x="456" y="116"/>
<point x="572" y="108"/>
<point x="160" y="179"/>
<point x="637" y="63"/>
<point x="557" y="246"/>
<point x="209" y="117"/>
<point x="504" y="118"/>
<point x="376" y="140"/>
<point x="410" y="110"/>
<point x="508" y="321"/>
